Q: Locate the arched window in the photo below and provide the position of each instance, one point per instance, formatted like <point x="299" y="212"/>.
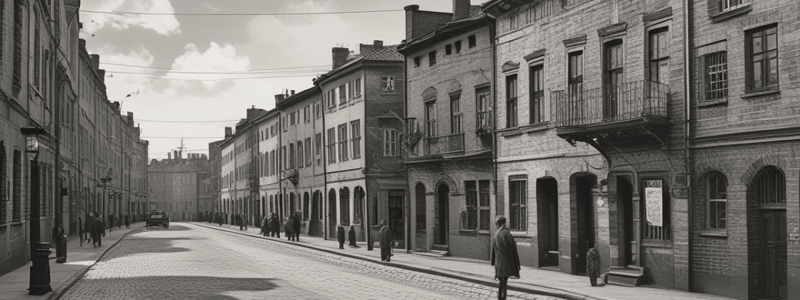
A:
<point x="305" y="206"/>
<point x="771" y="187"/>
<point x="717" y="204"/>
<point x="358" y="200"/>
<point x="344" y="204"/>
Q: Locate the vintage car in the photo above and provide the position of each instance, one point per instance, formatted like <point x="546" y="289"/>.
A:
<point x="157" y="218"/>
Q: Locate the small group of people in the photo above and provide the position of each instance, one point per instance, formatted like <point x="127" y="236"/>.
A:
<point x="95" y="229"/>
<point x="291" y="225"/>
<point x="385" y="240"/>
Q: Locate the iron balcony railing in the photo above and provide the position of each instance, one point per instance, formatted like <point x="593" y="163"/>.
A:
<point x="444" y="144"/>
<point x="626" y="101"/>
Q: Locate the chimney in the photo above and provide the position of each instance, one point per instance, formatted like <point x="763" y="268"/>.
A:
<point x="339" y="56"/>
<point x="95" y="58"/>
<point x="460" y="9"/>
<point x="130" y="118"/>
<point x="169" y="155"/>
<point x="175" y="152"/>
<point x="419" y="22"/>
<point x="228" y="132"/>
<point x="180" y="154"/>
<point x="377" y="43"/>
<point x="292" y="92"/>
<point x="410" y="10"/>
<point x="102" y="74"/>
<point x="82" y="43"/>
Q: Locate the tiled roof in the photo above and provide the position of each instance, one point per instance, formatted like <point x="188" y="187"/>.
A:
<point x="384" y="53"/>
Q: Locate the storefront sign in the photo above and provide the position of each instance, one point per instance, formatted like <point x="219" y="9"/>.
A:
<point x="654" y="202"/>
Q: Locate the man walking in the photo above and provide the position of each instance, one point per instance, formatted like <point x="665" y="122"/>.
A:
<point x="275" y="225"/>
<point x="96" y="232"/>
<point x="385" y="242"/>
<point x="504" y="256"/>
<point x="296" y="226"/>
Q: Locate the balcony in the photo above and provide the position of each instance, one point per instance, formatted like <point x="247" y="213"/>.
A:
<point x="444" y="144"/>
<point x="618" y="113"/>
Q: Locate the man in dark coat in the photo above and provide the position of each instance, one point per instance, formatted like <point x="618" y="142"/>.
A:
<point x="287" y="228"/>
<point x="351" y="236"/>
<point x="504" y="256"/>
<point x="265" y="226"/>
<point x="275" y="225"/>
<point x="88" y="225"/>
<point x="593" y="264"/>
<point x="96" y="230"/>
<point x="110" y="221"/>
<point x="127" y="221"/>
<point x="340" y="236"/>
<point x="296" y="226"/>
<point x="385" y="242"/>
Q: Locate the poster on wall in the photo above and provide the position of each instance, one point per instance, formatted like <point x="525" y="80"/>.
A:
<point x="654" y="202"/>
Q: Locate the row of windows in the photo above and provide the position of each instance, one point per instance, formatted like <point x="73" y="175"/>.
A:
<point x="483" y="107"/>
<point x="448" y="50"/>
<point x="344" y="144"/>
<point x="343" y="93"/>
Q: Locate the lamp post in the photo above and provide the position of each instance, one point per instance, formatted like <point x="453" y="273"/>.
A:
<point x="40" y="265"/>
<point x="104" y="183"/>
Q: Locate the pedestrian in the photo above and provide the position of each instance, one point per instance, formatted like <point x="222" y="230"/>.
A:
<point x="97" y="230"/>
<point x="239" y="221"/>
<point x="244" y="221"/>
<point x="340" y="236"/>
<point x="110" y="222"/>
<point x="127" y="222"/>
<point x="385" y="242"/>
<point x="593" y="264"/>
<point x="296" y="226"/>
<point x="504" y="256"/>
<point x="275" y="225"/>
<point x="264" y="226"/>
<point x="87" y="226"/>
<point x="351" y="236"/>
<point x="287" y="227"/>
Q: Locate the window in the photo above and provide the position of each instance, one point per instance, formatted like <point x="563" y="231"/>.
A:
<point x="317" y="110"/>
<point x="431" y="58"/>
<point x="305" y="206"/>
<point x="308" y="152"/>
<point x="472" y="42"/>
<point x="448" y="49"/>
<point x="656" y="206"/>
<point x="430" y="119"/>
<point x="537" y="95"/>
<point x="613" y="78"/>
<point x="472" y="205"/>
<point x="273" y="162"/>
<point x="484" y="106"/>
<point x="36" y="52"/>
<point x="513" y="21"/>
<point x="762" y="58"/>
<point x="659" y="55"/>
<point x="17" y="76"/>
<point x="331" y="145"/>
<point x="511" y="101"/>
<point x="355" y="128"/>
<point x="283" y="157"/>
<point x="292" y="119"/>
<point x="717" y="195"/>
<point x="342" y="94"/>
<point x="725" y="5"/>
<point x="387" y="84"/>
<point x="517" y="200"/>
<point x="416" y="62"/>
<point x="300" y="153"/>
<point x="344" y="206"/>
<point x="318" y="148"/>
<point x="357" y="84"/>
<point x="771" y="188"/>
<point x="389" y="142"/>
<point x="307" y="114"/>
<point x="331" y="98"/>
<point x="343" y="142"/>
<point x="484" y="215"/>
<point x="575" y="76"/>
<point x="455" y="114"/>
<point x="457" y="45"/>
<point x="716" y="77"/>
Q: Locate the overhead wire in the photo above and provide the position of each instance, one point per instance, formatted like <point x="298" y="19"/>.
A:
<point x="116" y="12"/>
<point x="200" y="72"/>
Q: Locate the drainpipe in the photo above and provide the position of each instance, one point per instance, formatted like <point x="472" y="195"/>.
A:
<point x="687" y="113"/>
<point x="492" y="39"/>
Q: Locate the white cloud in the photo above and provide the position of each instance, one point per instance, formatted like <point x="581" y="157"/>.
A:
<point x="215" y="59"/>
<point x="123" y="83"/>
<point x="161" y="24"/>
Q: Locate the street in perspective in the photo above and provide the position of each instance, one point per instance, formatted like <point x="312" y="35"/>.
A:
<point x="438" y="149"/>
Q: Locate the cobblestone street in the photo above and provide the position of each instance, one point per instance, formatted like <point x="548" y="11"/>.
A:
<point x="191" y="262"/>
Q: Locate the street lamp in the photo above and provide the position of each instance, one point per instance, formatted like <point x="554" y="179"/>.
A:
<point x="40" y="264"/>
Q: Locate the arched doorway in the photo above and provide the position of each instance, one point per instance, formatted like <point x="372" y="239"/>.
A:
<point x="768" y="251"/>
<point x="421" y="240"/>
<point x="344" y="207"/>
<point x="332" y="213"/>
<point x="442" y="217"/>
<point x="314" y="225"/>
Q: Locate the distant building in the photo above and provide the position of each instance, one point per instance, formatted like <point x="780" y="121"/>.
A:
<point x="175" y="185"/>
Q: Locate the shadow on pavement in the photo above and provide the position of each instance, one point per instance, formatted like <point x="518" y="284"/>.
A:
<point x="179" y="287"/>
<point x="154" y="245"/>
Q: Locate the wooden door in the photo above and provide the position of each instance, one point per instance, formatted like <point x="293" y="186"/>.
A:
<point x="773" y="273"/>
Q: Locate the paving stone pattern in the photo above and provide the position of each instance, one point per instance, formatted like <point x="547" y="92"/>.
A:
<point x="192" y="262"/>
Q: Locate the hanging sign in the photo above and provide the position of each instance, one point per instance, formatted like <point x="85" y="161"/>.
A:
<point x="654" y="202"/>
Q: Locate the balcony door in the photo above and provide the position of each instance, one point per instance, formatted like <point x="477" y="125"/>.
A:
<point x="575" y="105"/>
<point x="613" y="79"/>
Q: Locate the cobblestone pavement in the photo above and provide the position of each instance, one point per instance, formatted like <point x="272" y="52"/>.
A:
<point x="191" y="262"/>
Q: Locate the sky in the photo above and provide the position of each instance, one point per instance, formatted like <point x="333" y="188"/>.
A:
<point x="190" y="76"/>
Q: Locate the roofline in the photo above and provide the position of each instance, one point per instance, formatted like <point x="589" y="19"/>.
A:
<point x="349" y="67"/>
<point x="424" y="41"/>
<point x="302" y="95"/>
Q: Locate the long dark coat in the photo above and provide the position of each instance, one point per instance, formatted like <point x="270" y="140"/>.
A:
<point x="385" y="237"/>
<point x="296" y="223"/>
<point x="274" y="225"/>
<point x="340" y="235"/>
<point x="504" y="254"/>
<point x="96" y="229"/>
<point x="287" y="227"/>
<point x="351" y="236"/>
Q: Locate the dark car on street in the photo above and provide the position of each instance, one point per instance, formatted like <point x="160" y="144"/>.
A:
<point x="158" y="218"/>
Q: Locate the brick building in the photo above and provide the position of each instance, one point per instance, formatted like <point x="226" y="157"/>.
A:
<point x="270" y="183"/>
<point x="449" y="67"/>
<point x="743" y="149"/>
<point x="302" y="176"/>
<point x="362" y="105"/>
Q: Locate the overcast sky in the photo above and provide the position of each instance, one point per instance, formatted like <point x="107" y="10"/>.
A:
<point x="181" y="51"/>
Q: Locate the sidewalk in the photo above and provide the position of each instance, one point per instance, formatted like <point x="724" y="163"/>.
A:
<point x="532" y="280"/>
<point x="14" y="285"/>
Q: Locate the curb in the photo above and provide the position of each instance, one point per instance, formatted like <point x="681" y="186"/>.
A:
<point x="545" y="291"/>
<point x="70" y="282"/>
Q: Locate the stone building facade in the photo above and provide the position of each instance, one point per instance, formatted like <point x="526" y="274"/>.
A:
<point x="174" y="184"/>
<point x="450" y="116"/>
